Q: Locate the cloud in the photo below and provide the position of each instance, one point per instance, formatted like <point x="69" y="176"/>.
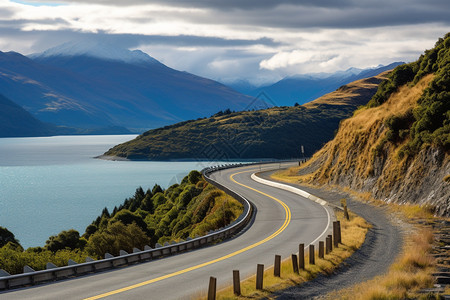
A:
<point x="210" y="4"/>
<point x="258" y="40"/>
<point x="285" y="59"/>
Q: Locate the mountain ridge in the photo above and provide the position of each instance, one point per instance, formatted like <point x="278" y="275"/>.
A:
<point x="17" y="122"/>
<point x="251" y="134"/>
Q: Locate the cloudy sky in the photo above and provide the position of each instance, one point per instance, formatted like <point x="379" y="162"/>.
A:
<point x="228" y="40"/>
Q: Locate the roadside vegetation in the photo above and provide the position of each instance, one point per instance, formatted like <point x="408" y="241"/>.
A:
<point x="353" y="235"/>
<point x="429" y="121"/>
<point x="190" y="208"/>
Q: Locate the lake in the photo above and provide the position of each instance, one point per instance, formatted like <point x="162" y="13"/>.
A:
<point x="50" y="184"/>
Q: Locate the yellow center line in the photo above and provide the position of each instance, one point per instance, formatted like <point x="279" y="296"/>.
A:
<point x="283" y="227"/>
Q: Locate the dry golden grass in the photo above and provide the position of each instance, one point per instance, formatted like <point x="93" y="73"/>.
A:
<point x="447" y="178"/>
<point x="346" y="93"/>
<point x="353" y="235"/>
<point x="359" y="137"/>
<point x="410" y="273"/>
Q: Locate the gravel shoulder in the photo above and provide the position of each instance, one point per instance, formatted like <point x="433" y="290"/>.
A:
<point x="382" y="245"/>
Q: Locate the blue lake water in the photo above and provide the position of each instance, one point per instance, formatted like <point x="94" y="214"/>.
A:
<point x="50" y="184"/>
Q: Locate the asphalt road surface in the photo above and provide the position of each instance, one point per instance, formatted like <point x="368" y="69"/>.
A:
<point x="283" y="220"/>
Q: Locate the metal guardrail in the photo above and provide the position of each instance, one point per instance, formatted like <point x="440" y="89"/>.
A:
<point x="74" y="269"/>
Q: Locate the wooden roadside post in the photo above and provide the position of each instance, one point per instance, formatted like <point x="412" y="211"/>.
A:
<point x="294" y="263"/>
<point x="277" y="266"/>
<point x="312" y="260"/>
<point x="212" y="288"/>
<point x="335" y="235"/>
<point x="259" y="276"/>
<point x="339" y="231"/>
<point x="236" y="283"/>
<point x="321" y="250"/>
<point x="344" y="205"/>
<point x="301" y="256"/>
<point x="329" y="245"/>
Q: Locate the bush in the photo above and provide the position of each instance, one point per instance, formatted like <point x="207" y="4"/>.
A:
<point x="69" y="239"/>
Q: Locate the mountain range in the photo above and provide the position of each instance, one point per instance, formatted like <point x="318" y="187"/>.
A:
<point x="94" y="86"/>
<point x="308" y="87"/>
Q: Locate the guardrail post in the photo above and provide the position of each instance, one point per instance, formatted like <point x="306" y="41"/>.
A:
<point x="212" y="288"/>
<point x="301" y="256"/>
<point x="335" y="235"/>
<point x="277" y="266"/>
<point x="259" y="277"/>
<point x="28" y="269"/>
<point x="312" y="260"/>
<point x="50" y="265"/>
<point x="236" y="283"/>
<point x="321" y="250"/>
<point x="294" y="263"/>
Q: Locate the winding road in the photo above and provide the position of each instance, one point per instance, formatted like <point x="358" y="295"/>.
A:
<point x="282" y="221"/>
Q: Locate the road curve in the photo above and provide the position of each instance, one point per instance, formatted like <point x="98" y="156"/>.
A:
<point x="282" y="221"/>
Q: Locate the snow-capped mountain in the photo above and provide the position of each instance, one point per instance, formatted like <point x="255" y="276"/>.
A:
<point x="96" y="49"/>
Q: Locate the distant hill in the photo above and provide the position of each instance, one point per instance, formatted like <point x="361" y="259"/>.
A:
<point x="305" y="88"/>
<point x="397" y="147"/>
<point x="17" y="122"/>
<point x="95" y="85"/>
<point x="276" y="132"/>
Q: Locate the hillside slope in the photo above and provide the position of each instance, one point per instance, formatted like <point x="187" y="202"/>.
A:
<point x="253" y="134"/>
<point x="17" y="122"/>
<point x="398" y="146"/>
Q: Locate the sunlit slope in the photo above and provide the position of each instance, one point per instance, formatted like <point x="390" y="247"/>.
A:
<point x="398" y="146"/>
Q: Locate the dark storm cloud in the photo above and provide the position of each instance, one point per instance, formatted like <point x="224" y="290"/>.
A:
<point x="328" y="17"/>
<point x="304" y="13"/>
<point x="292" y="13"/>
<point x="213" y="4"/>
<point x="43" y="40"/>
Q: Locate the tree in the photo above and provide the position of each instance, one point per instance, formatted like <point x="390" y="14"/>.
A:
<point x="157" y="189"/>
<point x="117" y="237"/>
<point x="127" y="217"/>
<point x="7" y="236"/>
<point x="194" y="177"/>
<point x="65" y="239"/>
<point x="147" y="204"/>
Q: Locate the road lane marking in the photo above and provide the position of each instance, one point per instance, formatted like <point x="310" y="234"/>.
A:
<point x="281" y="229"/>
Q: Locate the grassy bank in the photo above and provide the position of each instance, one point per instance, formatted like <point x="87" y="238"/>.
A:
<point x="353" y="235"/>
<point x="411" y="272"/>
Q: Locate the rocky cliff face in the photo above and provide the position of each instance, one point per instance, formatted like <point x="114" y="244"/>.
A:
<point x="360" y="158"/>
